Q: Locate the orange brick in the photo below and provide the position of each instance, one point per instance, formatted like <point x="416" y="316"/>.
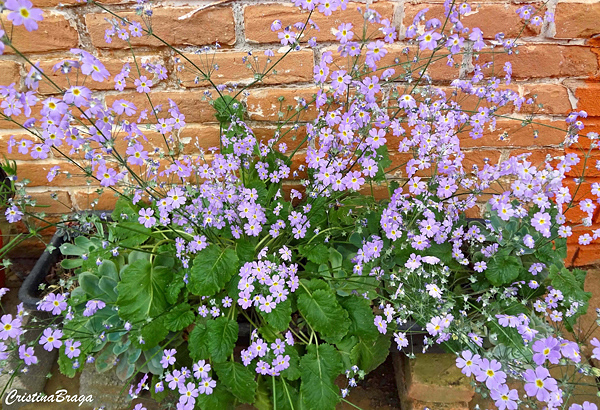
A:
<point x="258" y="18"/>
<point x="9" y="73"/>
<point x="206" y="136"/>
<point x="490" y="18"/>
<point x="264" y="105"/>
<point x="87" y="199"/>
<point x="37" y="173"/>
<point x="207" y="26"/>
<point x="577" y="20"/>
<point x="113" y="65"/>
<point x="546" y="60"/>
<point x="14" y="155"/>
<point x="587" y="96"/>
<point x="293" y="68"/>
<point x="45" y="203"/>
<point x="54" y="33"/>
<point x="553" y="97"/>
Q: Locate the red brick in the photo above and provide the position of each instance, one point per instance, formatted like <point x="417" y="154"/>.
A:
<point x="436" y="64"/>
<point x="54" y="33"/>
<point x="84" y="199"/>
<point x="113" y="65"/>
<point x="580" y="191"/>
<point x="490" y="18"/>
<point x="293" y="68"/>
<point x="554" y="98"/>
<point x="204" y="27"/>
<point x="258" y="19"/>
<point x="517" y="135"/>
<point x="582" y="255"/>
<point x="9" y="73"/>
<point x="54" y="3"/>
<point x="206" y="136"/>
<point x="44" y="203"/>
<point x="191" y="103"/>
<point x="14" y="155"/>
<point x="577" y="20"/>
<point x="546" y="60"/>
<point x="37" y="173"/>
<point x="587" y="98"/>
<point x="263" y="105"/>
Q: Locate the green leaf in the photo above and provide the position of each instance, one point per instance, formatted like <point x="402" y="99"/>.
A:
<point x="286" y="396"/>
<point x="179" y="318"/>
<point x="571" y="285"/>
<point x="503" y="268"/>
<point x="198" y="342"/>
<point x="142" y="290"/>
<point x="222" y="335"/>
<point x="319" y="368"/>
<point x="212" y="269"/>
<point x="71" y="263"/>
<point x="108" y="269"/>
<point x="317" y="253"/>
<point x="69" y="249"/>
<point x="108" y="286"/>
<point x="90" y="284"/>
<point x="362" y="320"/>
<point x="279" y="317"/>
<point x="153" y="332"/>
<point x="369" y="354"/>
<point x="220" y="399"/>
<point x="324" y="314"/>
<point x="238" y="379"/>
<point x="293" y="371"/>
<point x="245" y="250"/>
<point x="226" y="108"/>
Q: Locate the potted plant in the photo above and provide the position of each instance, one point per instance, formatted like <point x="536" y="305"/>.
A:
<point x="314" y="247"/>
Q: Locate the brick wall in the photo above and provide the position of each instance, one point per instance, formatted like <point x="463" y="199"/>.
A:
<point x="559" y="62"/>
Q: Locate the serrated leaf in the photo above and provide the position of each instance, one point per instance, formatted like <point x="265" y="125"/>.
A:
<point x="369" y="354"/>
<point x="141" y="290"/>
<point x="238" y="379"/>
<point x="179" y="318"/>
<point x="220" y="399"/>
<point x="316" y="252"/>
<point x="319" y="368"/>
<point x="324" y="314"/>
<point x="198" y="343"/>
<point x="154" y="332"/>
<point x="503" y="269"/>
<point x="211" y="271"/>
<point x="362" y="320"/>
<point x="222" y="334"/>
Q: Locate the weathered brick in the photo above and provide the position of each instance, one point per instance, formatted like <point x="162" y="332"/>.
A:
<point x="191" y="103"/>
<point x="9" y="73"/>
<point x="516" y="135"/>
<point x="587" y="98"/>
<point x="88" y="198"/>
<point x="14" y="155"/>
<point x="68" y="174"/>
<point x="577" y="20"/>
<point x="554" y="98"/>
<point x="205" y="136"/>
<point x="582" y="255"/>
<point x="45" y="203"/>
<point x="490" y="18"/>
<point x="113" y="65"/>
<point x="207" y="26"/>
<point x="55" y="33"/>
<point x="54" y="3"/>
<point x="258" y="18"/>
<point x="545" y="60"/>
<point x="434" y="378"/>
<point x="233" y="67"/>
<point x="264" y="105"/>
<point x="580" y="191"/>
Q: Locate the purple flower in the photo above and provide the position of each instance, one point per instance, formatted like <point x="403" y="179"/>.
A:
<point x="468" y="362"/>
<point x="490" y="373"/>
<point x="72" y="348"/>
<point x="10" y="328"/>
<point x="380" y="324"/>
<point x="143" y="84"/>
<point x="539" y="383"/>
<point x="54" y="303"/>
<point x="504" y="397"/>
<point x="13" y="214"/>
<point x="188" y="393"/>
<point x="146" y="217"/>
<point x="51" y="339"/>
<point x="206" y="386"/>
<point x="201" y="369"/>
<point x="27" y="354"/>
<point x="23" y="13"/>
<point x="585" y="406"/>
<point x="546" y="349"/>
<point x="168" y="358"/>
<point x="428" y="41"/>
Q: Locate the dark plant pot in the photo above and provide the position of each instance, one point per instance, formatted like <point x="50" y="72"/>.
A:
<point x="29" y="292"/>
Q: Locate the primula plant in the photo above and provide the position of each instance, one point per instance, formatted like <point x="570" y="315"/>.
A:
<point x="257" y="272"/>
